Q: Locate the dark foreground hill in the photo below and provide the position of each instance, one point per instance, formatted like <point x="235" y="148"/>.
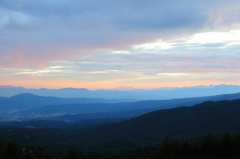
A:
<point x="215" y="117"/>
<point x="38" y="124"/>
<point x="225" y="146"/>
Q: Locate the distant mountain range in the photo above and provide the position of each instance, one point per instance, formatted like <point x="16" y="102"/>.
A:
<point x="30" y="101"/>
<point x="33" y="107"/>
<point x="133" y="94"/>
<point x="119" y="110"/>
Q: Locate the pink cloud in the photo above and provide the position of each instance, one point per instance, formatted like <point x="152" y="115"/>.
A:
<point x="38" y="57"/>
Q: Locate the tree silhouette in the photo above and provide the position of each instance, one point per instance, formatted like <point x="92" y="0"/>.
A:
<point x="13" y="150"/>
<point x="71" y="154"/>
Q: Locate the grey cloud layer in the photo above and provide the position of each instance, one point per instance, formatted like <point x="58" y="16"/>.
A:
<point x="92" y="22"/>
<point x="39" y="32"/>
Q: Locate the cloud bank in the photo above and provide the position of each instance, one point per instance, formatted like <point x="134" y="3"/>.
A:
<point x="120" y="43"/>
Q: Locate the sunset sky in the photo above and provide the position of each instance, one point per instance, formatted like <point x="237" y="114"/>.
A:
<point x="106" y="44"/>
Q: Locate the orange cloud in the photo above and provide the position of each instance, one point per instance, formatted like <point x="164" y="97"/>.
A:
<point x="37" y="57"/>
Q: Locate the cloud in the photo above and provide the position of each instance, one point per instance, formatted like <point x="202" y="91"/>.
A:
<point x="91" y="25"/>
<point x="118" y="40"/>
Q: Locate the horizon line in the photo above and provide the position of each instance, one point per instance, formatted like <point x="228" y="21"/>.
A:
<point x="120" y="88"/>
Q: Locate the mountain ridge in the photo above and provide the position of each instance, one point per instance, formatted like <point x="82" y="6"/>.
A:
<point x="136" y="94"/>
<point x="148" y="105"/>
<point x="28" y="101"/>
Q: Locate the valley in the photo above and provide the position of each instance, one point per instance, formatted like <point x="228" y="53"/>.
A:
<point x="121" y="126"/>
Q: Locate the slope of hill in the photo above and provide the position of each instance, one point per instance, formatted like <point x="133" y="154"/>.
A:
<point x="38" y="124"/>
<point x="214" y="117"/>
<point x="112" y="115"/>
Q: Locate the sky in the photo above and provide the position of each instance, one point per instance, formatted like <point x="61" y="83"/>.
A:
<point x="123" y="44"/>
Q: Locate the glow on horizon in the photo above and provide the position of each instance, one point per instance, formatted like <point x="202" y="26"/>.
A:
<point x="94" y="85"/>
<point x="200" y="38"/>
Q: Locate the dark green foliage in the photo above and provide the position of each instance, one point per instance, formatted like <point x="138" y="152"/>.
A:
<point x="210" y="146"/>
<point x="207" y="147"/>
<point x="215" y="117"/>
<point x="128" y="139"/>
<point x="2" y="151"/>
<point x="13" y="150"/>
<point x="38" y="124"/>
<point x="182" y="122"/>
<point x="71" y="154"/>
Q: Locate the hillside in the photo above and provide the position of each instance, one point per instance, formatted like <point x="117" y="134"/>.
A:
<point x="215" y="117"/>
<point x="38" y="124"/>
<point x="112" y="115"/>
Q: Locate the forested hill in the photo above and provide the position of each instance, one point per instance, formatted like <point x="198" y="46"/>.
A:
<point x="214" y="117"/>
